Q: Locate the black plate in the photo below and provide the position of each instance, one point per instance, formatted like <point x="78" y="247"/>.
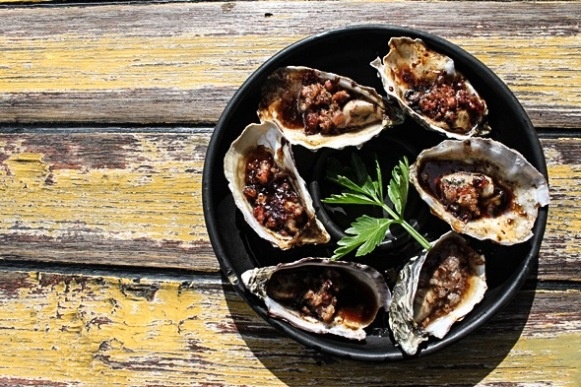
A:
<point x="348" y="52"/>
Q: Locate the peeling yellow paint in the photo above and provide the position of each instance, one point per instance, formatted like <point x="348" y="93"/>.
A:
<point x="90" y="331"/>
<point x="78" y="331"/>
<point x="117" y="62"/>
<point x="161" y="202"/>
<point x="27" y="169"/>
<point x="109" y="331"/>
<point x="560" y="353"/>
<point x="193" y="61"/>
<point x="564" y="219"/>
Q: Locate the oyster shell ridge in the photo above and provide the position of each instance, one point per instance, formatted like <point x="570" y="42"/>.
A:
<point x="408" y="334"/>
<point x="414" y="53"/>
<point x="529" y="187"/>
<point x="267" y="134"/>
<point x="255" y="280"/>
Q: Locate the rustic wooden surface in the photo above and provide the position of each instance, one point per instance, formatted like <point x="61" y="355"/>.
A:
<point x="107" y="276"/>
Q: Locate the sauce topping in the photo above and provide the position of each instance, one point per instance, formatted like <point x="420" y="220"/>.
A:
<point x="304" y="101"/>
<point x="447" y="99"/>
<point x="324" y="293"/>
<point x="464" y="191"/>
<point x="443" y="281"/>
<point x="321" y="103"/>
<point x="270" y="191"/>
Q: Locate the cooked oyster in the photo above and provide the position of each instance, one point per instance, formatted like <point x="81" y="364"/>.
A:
<point x="321" y="296"/>
<point x="268" y="189"/>
<point x="481" y="188"/>
<point x="431" y="90"/>
<point x="318" y="109"/>
<point x="434" y="290"/>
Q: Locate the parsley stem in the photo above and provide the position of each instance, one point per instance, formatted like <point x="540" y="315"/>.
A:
<point x="366" y="232"/>
<point x="416" y="235"/>
<point x="408" y="227"/>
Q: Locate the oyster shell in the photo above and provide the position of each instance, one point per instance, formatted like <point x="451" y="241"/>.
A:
<point x="321" y="296"/>
<point x="319" y="109"/>
<point x="430" y="89"/>
<point x="434" y="290"/>
<point x="268" y="190"/>
<point x="482" y="188"/>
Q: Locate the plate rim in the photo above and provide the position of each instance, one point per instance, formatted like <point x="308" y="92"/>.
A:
<point x="514" y="282"/>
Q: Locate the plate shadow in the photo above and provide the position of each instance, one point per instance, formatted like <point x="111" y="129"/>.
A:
<point x="464" y="362"/>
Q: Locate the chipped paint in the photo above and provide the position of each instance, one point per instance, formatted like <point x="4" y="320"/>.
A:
<point x="93" y="331"/>
<point x="197" y="61"/>
<point x="120" y="62"/>
<point x="153" y="194"/>
<point x="89" y="330"/>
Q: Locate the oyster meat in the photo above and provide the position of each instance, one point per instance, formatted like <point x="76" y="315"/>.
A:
<point x="434" y="290"/>
<point x="319" y="109"/>
<point x="321" y="296"/>
<point x="482" y="188"/>
<point x="268" y="190"/>
<point x="430" y="89"/>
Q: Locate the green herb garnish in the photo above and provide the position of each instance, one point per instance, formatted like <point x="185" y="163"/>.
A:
<point x="367" y="232"/>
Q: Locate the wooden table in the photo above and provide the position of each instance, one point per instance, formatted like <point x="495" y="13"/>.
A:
<point x="107" y="273"/>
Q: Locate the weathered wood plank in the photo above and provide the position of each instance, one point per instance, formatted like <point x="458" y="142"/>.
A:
<point x="67" y="330"/>
<point x="135" y="199"/>
<point x="130" y="199"/>
<point x="181" y="62"/>
<point x="561" y="246"/>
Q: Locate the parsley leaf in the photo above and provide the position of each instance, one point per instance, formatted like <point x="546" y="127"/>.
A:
<point x="367" y="232"/>
<point x="399" y="186"/>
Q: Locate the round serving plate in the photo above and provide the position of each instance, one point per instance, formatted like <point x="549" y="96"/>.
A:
<point x="348" y="51"/>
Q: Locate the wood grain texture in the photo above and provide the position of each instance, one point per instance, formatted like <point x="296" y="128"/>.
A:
<point x="105" y="199"/>
<point x="562" y="243"/>
<point x="181" y="62"/>
<point x="134" y="199"/>
<point x="140" y="331"/>
<point x="107" y="275"/>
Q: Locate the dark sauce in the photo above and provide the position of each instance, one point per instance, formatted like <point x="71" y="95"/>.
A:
<point x="444" y="280"/>
<point x="279" y="87"/>
<point x="289" y="114"/>
<point x="444" y="99"/>
<point x="324" y="293"/>
<point x="270" y="191"/>
<point x="304" y="101"/>
<point x="432" y="172"/>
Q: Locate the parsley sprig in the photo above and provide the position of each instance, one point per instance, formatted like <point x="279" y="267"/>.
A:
<point x="367" y="232"/>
